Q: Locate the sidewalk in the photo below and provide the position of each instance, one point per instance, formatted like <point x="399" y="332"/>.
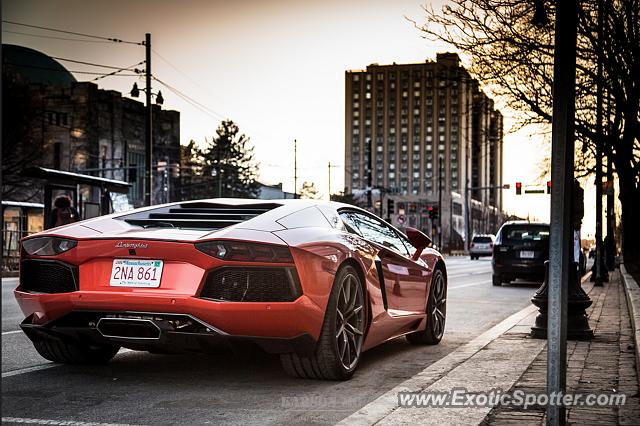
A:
<point x="507" y="358"/>
<point x="606" y="364"/>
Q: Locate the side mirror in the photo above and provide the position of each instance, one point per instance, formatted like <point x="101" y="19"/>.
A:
<point x="419" y="240"/>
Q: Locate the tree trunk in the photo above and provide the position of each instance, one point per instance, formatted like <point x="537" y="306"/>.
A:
<point x="630" y="199"/>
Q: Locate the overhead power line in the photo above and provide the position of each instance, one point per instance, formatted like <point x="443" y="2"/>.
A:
<point x="56" y="38"/>
<point x="93" y="64"/>
<point x="66" y="71"/>
<point x="116" y="72"/>
<point x="92" y="36"/>
<point x="190" y="100"/>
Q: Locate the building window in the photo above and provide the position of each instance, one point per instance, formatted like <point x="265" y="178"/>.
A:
<point x="356" y="77"/>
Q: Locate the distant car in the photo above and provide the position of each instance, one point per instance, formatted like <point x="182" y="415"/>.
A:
<point x="317" y="283"/>
<point x="481" y="245"/>
<point x="520" y="250"/>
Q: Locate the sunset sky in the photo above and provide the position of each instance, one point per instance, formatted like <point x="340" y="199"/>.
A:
<point x="275" y="67"/>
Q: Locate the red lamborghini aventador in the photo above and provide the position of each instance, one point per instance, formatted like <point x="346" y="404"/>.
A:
<point x="316" y="282"/>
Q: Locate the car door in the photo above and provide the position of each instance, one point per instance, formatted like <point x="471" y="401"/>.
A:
<point x="405" y="280"/>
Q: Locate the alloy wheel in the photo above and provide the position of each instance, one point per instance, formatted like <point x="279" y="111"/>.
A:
<point x="439" y="305"/>
<point x="349" y="321"/>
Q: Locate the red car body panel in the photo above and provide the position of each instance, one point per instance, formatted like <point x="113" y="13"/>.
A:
<point x="319" y="245"/>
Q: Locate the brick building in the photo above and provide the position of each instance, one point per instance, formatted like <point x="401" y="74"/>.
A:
<point x="78" y="127"/>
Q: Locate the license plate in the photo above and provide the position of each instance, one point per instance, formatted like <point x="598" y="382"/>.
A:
<point x="136" y="273"/>
<point x="526" y="255"/>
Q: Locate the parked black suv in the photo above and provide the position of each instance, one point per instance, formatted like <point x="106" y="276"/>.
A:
<point x="520" y="251"/>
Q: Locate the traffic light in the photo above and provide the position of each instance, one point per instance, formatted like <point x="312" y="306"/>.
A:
<point x="391" y="206"/>
<point x="518" y="188"/>
<point x="433" y="212"/>
<point x="548" y="187"/>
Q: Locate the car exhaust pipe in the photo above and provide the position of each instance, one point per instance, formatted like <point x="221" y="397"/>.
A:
<point x="128" y="328"/>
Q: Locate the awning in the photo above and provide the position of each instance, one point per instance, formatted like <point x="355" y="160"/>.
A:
<point x="69" y="178"/>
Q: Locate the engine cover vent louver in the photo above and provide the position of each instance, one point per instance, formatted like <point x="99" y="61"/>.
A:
<point x="198" y="215"/>
<point x="48" y="276"/>
<point x="252" y="284"/>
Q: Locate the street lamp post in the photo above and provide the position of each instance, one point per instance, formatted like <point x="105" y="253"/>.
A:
<point x="148" y="136"/>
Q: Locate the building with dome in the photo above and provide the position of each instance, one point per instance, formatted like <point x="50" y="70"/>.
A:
<point x="54" y="121"/>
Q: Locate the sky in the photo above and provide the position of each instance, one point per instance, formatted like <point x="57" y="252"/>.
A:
<point x="275" y="67"/>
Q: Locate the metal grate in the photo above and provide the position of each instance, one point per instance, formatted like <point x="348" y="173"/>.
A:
<point x="199" y="215"/>
<point x="245" y="284"/>
<point x="48" y="276"/>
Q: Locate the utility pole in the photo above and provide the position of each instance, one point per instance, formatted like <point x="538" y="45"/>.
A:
<point x="440" y="168"/>
<point x="329" y="189"/>
<point x="369" y="173"/>
<point x="467" y="223"/>
<point x="329" y="170"/>
<point x="600" y="272"/>
<point x="611" y="217"/>
<point x="148" y="183"/>
<point x="561" y="232"/>
<point x="295" y="168"/>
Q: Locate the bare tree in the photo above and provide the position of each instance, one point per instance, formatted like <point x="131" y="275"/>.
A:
<point x="514" y="59"/>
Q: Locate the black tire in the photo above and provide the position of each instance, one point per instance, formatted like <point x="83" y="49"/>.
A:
<point x="339" y="348"/>
<point x="436" y="312"/>
<point x="496" y="280"/>
<point x="472" y="258"/>
<point x="75" y="353"/>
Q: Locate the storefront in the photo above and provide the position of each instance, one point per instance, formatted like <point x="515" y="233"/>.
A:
<point x="20" y="220"/>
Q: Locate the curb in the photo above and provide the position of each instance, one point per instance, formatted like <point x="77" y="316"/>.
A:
<point x="378" y="410"/>
<point x="632" y="291"/>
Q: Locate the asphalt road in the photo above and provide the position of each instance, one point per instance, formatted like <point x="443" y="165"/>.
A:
<point x="141" y="388"/>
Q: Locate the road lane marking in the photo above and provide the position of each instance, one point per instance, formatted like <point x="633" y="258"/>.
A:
<point x="44" y="367"/>
<point x="58" y="422"/>
<point x="468" y="285"/>
<point x="468" y="274"/>
<point x="4" y="333"/>
<point x="29" y="370"/>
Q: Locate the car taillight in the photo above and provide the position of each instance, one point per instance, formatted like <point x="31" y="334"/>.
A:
<point x="47" y="246"/>
<point x="246" y="252"/>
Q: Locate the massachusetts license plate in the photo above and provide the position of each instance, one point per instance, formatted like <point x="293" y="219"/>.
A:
<point x="136" y="273"/>
<point x="526" y="255"/>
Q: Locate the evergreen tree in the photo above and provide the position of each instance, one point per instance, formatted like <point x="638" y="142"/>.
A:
<point x="229" y="158"/>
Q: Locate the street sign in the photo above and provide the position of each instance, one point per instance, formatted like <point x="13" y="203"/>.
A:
<point x="506" y="186"/>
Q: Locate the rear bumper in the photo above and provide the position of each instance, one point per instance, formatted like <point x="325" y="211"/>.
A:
<point x="518" y="269"/>
<point x="88" y="327"/>
<point x="480" y="252"/>
<point x="281" y="320"/>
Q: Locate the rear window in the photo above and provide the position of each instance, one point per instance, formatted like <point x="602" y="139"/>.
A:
<point x="482" y="240"/>
<point x="525" y="233"/>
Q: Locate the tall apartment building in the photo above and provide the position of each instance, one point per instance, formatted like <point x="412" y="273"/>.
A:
<point x="428" y="132"/>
